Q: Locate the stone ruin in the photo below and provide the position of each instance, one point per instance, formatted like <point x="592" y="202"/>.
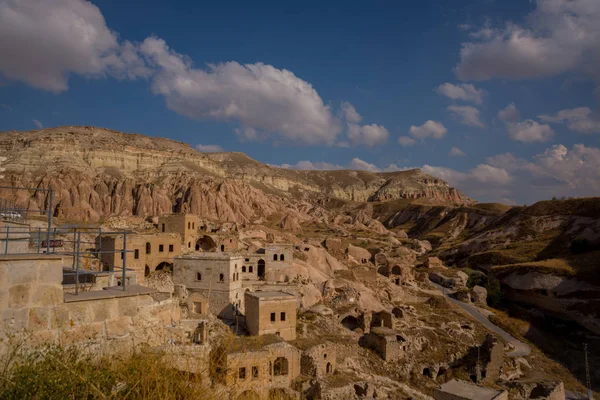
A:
<point x="386" y="342"/>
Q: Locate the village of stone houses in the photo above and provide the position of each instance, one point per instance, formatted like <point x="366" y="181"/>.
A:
<point x="242" y="288"/>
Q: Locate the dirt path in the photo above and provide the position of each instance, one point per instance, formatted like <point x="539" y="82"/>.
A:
<point x="521" y="349"/>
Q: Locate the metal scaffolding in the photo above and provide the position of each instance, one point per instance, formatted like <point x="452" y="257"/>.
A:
<point x="20" y="238"/>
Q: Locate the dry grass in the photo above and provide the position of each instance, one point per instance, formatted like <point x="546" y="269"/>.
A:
<point x="584" y="266"/>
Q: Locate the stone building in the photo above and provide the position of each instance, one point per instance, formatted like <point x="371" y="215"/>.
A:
<point x="386" y="342"/>
<point x="185" y="225"/>
<point x="213" y="282"/>
<point x="318" y="359"/>
<point x="146" y="253"/>
<point x="461" y="390"/>
<point x="254" y="267"/>
<point x="256" y="367"/>
<point x="279" y="259"/>
<point x="271" y="313"/>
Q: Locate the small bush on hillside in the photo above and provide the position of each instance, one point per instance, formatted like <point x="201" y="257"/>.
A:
<point x="476" y="278"/>
<point x="494" y="297"/>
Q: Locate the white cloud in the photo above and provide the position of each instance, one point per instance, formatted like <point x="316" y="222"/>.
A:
<point x="37" y="124"/>
<point x="468" y="115"/>
<point x="461" y="91"/>
<point x="509" y="114"/>
<point x="530" y="131"/>
<point x="367" y="135"/>
<point x="268" y="102"/>
<point x="43" y="42"/>
<point x="350" y="113"/>
<point x="359" y="164"/>
<point x="557" y="37"/>
<point x="406" y="141"/>
<point x="209" y="148"/>
<point x="456" y="152"/>
<point x="485" y="173"/>
<point x="355" y="164"/>
<point x="312" y="166"/>
<point x="580" y="119"/>
<point x="430" y="128"/>
<point x="557" y="171"/>
<point x="526" y="131"/>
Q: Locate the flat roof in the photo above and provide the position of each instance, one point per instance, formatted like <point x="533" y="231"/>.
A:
<point x="260" y="295"/>
<point x="210" y="256"/>
<point x="110" y="292"/>
<point x="383" y="331"/>
<point x="245" y="344"/>
<point x="469" y="390"/>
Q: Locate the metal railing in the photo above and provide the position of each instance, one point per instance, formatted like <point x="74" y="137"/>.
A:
<point x="69" y="242"/>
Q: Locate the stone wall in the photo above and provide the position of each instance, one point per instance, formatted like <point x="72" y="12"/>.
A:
<point x="319" y="360"/>
<point x="265" y="311"/>
<point x="267" y="373"/>
<point x="385" y="342"/>
<point x="186" y="225"/>
<point x="214" y="275"/>
<point x="144" y="253"/>
<point x="33" y="306"/>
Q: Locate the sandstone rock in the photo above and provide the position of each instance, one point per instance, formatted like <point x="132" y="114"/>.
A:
<point x="401" y="234"/>
<point x="462" y="278"/>
<point x="359" y="254"/>
<point x="479" y="294"/>
<point x="434" y="262"/>
<point x="463" y="295"/>
<point x="321" y="310"/>
<point x="98" y="173"/>
<point x="291" y="224"/>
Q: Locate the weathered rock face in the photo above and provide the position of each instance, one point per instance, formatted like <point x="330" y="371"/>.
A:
<point x="99" y="172"/>
<point x="479" y="294"/>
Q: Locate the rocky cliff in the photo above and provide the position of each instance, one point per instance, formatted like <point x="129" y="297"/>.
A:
<point x="99" y="172"/>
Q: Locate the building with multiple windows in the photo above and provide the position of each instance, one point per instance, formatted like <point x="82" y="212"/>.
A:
<point x="214" y="280"/>
<point x="256" y="367"/>
<point x="271" y="313"/>
<point x="145" y="252"/>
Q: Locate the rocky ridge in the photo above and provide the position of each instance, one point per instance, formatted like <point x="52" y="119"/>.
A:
<point x="99" y="172"/>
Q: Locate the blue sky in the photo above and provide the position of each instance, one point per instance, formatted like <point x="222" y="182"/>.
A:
<point x="285" y="83"/>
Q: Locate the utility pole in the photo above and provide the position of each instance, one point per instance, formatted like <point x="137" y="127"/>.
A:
<point x="588" y="379"/>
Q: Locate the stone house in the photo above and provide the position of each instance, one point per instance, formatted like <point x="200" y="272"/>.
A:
<point x="256" y="367"/>
<point x="146" y="252"/>
<point x="213" y="282"/>
<point x="461" y="390"/>
<point x="185" y="225"/>
<point x="279" y="259"/>
<point x="271" y="313"/>
<point x="318" y="358"/>
<point x="215" y="242"/>
<point x="386" y="342"/>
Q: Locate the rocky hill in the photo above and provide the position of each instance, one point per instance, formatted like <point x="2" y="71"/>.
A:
<point x="99" y="172"/>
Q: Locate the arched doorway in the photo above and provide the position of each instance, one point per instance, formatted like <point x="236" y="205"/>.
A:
<point x="206" y="243"/>
<point x="329" y="368"/>
<point x="164" y="266"/>
<point x="249" y="395"/>
<point x="222" y="247"/>
<point x="146" y="271"/>
<point x="261" y="269"/>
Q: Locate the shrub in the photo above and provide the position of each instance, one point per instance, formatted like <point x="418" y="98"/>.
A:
<point x="494" y="298"/>
<point x="54" y="372"/>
